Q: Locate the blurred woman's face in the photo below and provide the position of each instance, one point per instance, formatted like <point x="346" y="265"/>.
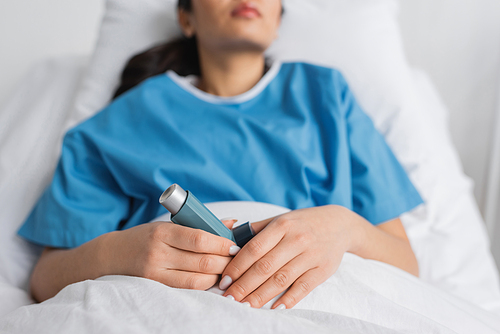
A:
<point x="233" y="24"/>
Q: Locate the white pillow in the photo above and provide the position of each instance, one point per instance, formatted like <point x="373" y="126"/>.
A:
<point x="360" y="37"/>
<point x="31" y="129"/>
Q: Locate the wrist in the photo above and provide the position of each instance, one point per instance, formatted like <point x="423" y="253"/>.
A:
<point x="354" y="227"/>
<point x="106" y="262"/>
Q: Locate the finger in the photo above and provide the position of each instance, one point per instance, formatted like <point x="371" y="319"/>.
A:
<point x="229" y="222"/>
<point x="195" y="262"/>
<point x="195" y="240"/>
<point x="186" y="280"/>
<point x="255" y="249"/>
<point x="278" y="282"/>
<point x="301" y="288"/>
<point x="260" y="225"/>
<point x="262" y="270"/>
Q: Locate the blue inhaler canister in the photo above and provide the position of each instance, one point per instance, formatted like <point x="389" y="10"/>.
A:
<point x="187" y="210"/>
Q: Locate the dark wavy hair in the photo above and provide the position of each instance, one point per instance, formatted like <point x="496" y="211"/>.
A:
<point x="179" y="55"/>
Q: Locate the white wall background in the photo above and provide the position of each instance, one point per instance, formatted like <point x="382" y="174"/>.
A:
<point x="34" y="29"/>
<point x="456" y="41"/>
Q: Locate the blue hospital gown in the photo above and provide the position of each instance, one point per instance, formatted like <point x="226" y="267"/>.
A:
<point x="297" y="139"/>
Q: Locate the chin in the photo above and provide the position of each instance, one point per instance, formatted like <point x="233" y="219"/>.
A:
<point x="250" y="38"/>
<point x="246" y="44"/>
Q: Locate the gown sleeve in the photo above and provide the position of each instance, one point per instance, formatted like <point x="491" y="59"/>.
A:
<point x="381" y="189"/>
<point x="82" y="202"/>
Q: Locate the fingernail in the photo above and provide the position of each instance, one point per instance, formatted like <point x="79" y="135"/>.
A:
<point x="247" y="304"/>
<point x="225" y="282"/>
<point x="233" y="250"/>
<point x="281" y="307"/>
<point x="230" y="297"/>
<point x="230" y="218"/>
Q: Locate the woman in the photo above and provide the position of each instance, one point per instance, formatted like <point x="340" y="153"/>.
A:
<point x="226" y="126"/>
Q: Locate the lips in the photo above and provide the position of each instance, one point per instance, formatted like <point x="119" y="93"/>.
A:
<point x="246" y="10"/>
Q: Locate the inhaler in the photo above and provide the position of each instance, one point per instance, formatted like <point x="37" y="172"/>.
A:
<point x="187" y="210"/>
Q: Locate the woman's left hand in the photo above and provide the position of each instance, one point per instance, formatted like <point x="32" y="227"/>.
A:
<point x="297" y="250"/>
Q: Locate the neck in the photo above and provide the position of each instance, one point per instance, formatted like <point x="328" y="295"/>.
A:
<point x="230" y="73"/>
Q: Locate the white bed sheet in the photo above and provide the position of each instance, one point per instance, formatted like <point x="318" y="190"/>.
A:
<point x="354" y="300"/>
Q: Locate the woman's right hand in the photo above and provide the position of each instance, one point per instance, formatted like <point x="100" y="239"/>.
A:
<point x="175" y="255"/>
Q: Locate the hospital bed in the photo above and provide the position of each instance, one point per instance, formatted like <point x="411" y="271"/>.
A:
<point x="458" y="290"/>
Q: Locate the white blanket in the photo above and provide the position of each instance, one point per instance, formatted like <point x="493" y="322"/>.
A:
<point x="363" y="296"/>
